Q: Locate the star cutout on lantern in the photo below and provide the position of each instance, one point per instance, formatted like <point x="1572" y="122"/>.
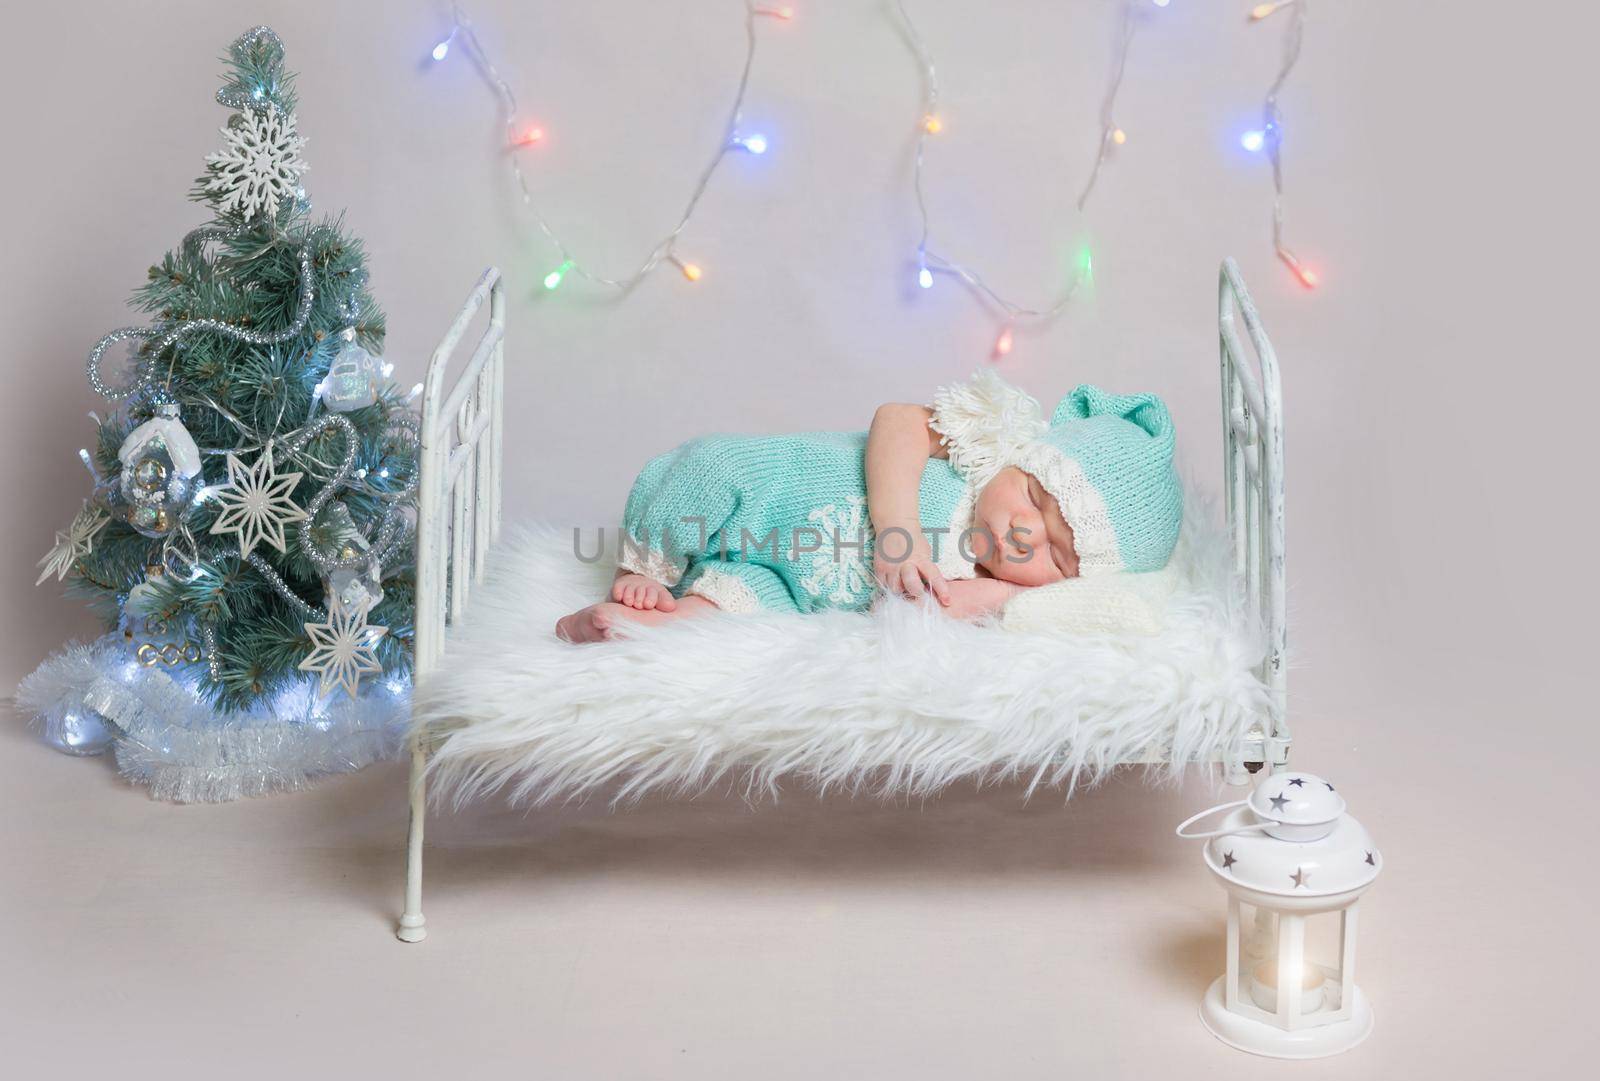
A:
<point x="74" y="544"/>
<point x="1228" y="860"/>
<point x="1278" y="801"/>
<point x="1298" y="782"/>
<point x="1370" y="861"/>
<point x="342" y="648"/>
<point x="1301" y="876"/>
<point x="256" y="502"/>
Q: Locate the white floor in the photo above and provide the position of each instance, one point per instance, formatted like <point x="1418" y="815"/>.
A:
<point x="971" y="937"/>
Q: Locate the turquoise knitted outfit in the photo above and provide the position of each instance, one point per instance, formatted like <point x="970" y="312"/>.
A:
<point x="777" y="523"/>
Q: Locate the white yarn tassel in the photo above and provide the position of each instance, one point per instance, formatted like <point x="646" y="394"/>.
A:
<point x="985" y="422"/>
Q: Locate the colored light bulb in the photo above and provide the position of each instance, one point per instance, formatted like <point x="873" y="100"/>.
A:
<point x="1002" y="344"/>
<point x="1307" y="276"/>
<point x="441" y="50"/>
<point x="1253" y="141"/>
<point x="691" y="271"/>
<point x="1086" y="263"/>
<point x="756" y="143"/>
<point x="552" y="280"/>
<point x="932" y="124"/>
<point x="1119" y="136"/>
<point x="1261" y="11"/>
<point x="1161" y="3"/>
<point x="529" y="136"/>
<point x="925" y="278"/>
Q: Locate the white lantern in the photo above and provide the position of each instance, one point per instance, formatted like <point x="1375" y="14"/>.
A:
<point x="1292" y="855"/>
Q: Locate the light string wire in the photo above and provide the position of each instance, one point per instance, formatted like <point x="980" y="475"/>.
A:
<point x="1112" y="136"/>
<point x="929" y="260"/>
<point x="1272" y="126"/>
<point x="665" y="250"/>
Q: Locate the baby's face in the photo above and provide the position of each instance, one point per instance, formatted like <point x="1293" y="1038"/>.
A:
<point x="1031" y="542"/>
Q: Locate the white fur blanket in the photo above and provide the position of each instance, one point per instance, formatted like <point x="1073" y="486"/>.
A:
<point x="900" y="702"/>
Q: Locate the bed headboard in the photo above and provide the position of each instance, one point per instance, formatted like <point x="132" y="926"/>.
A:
<point x="458" y="502"/>
<point x="1252" y="432"/>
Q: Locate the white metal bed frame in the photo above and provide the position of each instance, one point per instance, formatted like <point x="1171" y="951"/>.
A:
<point x="459" y="505"/>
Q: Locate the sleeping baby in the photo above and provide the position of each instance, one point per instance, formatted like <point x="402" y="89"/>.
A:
<point x="970" y="501"/>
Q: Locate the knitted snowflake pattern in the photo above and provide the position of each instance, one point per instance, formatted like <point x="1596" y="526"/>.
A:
<point x="840" y="571"/>
<point x="259" y="164"/>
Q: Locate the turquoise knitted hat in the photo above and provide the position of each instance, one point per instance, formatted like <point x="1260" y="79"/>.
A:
<point x="1106" y="458"/>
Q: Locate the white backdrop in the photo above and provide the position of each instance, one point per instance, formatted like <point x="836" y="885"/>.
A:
<point x="1425" y="380"/>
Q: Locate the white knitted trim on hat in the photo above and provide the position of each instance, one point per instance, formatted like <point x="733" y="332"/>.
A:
<point x="985" y="423"/>
<point x="657" y="566"/>
<point x="1093" y="535"/>
<point x="727" y="591"/>
<point x="951" y="563"/>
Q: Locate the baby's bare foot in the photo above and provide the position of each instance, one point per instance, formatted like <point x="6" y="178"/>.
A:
<point x="608" y="619"/>
<point x="642" y="594"/>
<point x="592" y="624"/>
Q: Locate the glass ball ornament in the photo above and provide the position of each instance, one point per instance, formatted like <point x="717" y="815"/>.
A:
<point x="160" y="474"/>
<point x="354" y="378"/>
<point x="80" y="731"/>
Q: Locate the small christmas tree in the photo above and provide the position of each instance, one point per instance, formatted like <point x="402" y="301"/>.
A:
<point x="248" y="535"/>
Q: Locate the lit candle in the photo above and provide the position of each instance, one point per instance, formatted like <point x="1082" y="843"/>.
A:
<point x="1264" y="986"/>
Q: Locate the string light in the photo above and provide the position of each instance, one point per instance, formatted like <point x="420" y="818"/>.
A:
<point x="691" y="271"/>
<point x="554" y="279"/>
<point x="442" y="50"/>
<point x="1261" y="11"/>
<point x="928" y="260"/>
<point x="664" y="249"/>
<point x="1270" y="135"/>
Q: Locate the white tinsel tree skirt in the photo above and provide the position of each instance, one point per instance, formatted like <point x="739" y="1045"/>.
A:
<point x="173" y="741"/>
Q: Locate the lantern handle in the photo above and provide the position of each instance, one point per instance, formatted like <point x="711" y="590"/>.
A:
<point x="1192" y="819"/>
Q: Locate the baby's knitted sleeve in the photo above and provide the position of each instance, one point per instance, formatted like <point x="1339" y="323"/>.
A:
<point x="678" y="504"/>
<point x="739" y="587"/>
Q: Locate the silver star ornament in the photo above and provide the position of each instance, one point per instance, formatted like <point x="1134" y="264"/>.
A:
<point x="256" y="503"/>
<point x="342" y="649"/>
<point x="74" y="544"/>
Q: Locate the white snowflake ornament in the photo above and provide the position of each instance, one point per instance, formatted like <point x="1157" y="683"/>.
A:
<point x="74" y="544"/>
<point x="256" y="503"/>
<point x="259" y="165"/>
<point x="342" y="649"/>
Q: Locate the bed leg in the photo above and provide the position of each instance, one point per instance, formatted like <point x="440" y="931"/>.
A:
<point x="1235" y="772"/>
<point x="412" y="923"/>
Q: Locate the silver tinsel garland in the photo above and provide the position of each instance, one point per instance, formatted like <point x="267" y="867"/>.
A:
<point x="173" y="741"/>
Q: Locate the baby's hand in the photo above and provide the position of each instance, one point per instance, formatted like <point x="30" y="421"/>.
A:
<point x="913" y="575"/>
<point x="644" y="594"/>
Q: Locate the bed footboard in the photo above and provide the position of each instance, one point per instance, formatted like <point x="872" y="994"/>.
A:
<point x="1252" y="432"/>
<point x="458" y="517"/>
